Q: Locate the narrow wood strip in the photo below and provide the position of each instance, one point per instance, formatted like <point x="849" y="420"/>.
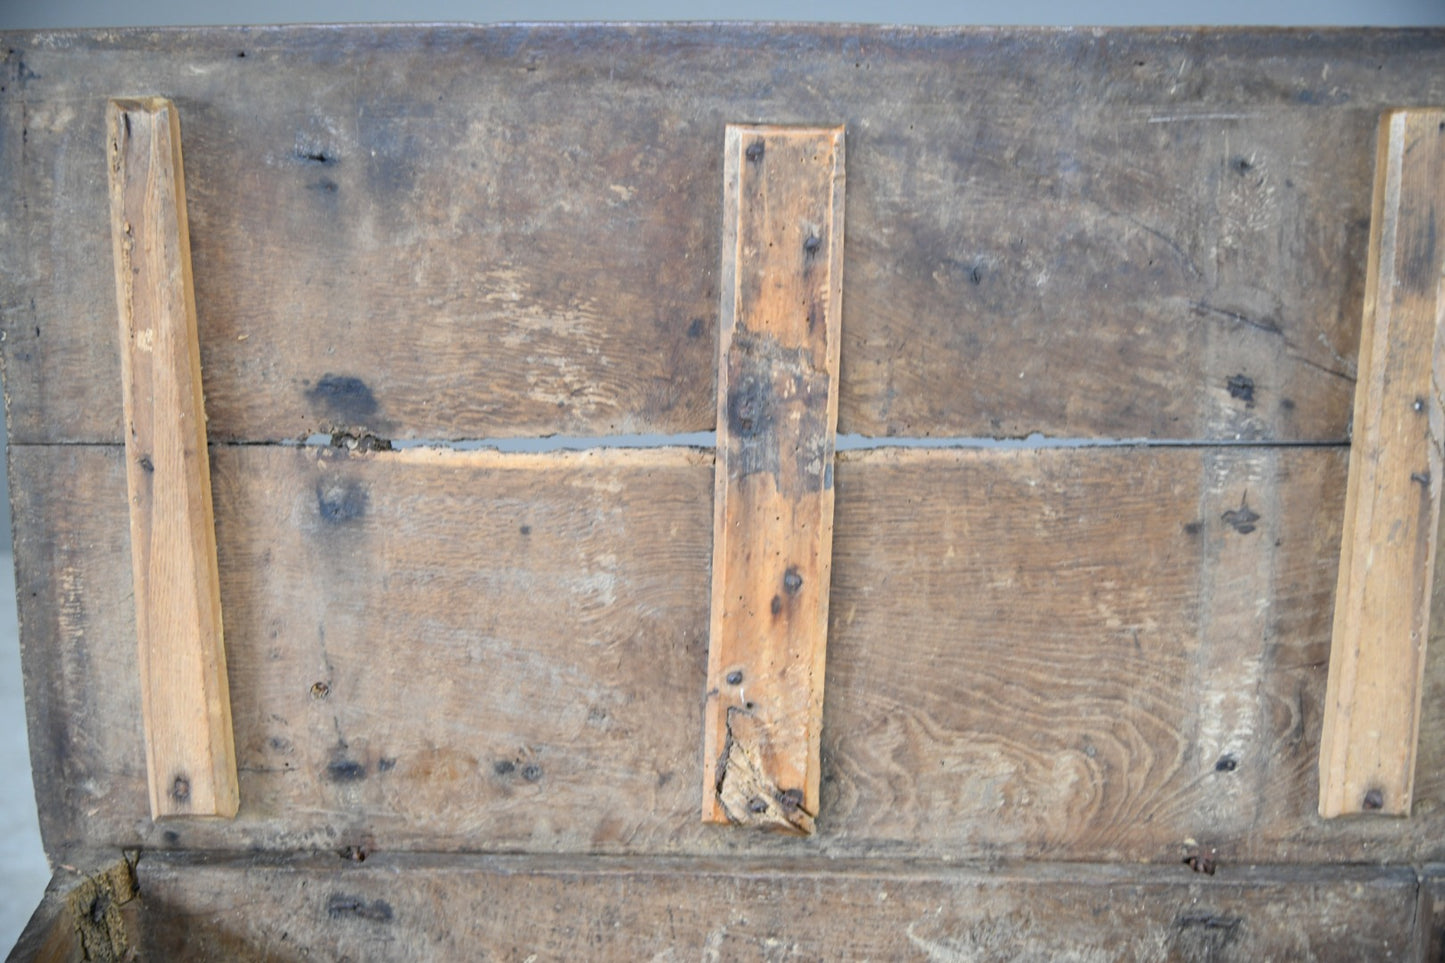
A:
<point x="185" y="705"/>
<point x="1392" y="505"/>
<point x="418" y="908"/>
<point x="773" y="506"/>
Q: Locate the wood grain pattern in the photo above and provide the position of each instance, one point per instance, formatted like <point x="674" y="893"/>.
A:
<point x="421" y="908"/>
<point x="1007" y="274"/>
<point x="1084" y="659"/>
<point x="782" y="280"/>
<point x="1392" y="506"/>
<point x="184" y="700"/>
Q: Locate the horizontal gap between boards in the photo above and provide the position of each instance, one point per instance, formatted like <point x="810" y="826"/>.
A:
<point x="707" y="440"/>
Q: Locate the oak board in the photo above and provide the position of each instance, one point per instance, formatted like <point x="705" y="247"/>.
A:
<point x="1093" y="233"/>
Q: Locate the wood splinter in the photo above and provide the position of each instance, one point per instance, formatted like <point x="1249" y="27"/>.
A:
<point x="773" y="523"/>
<point x="1392" y="503"/>
<point x="185" y="705"/>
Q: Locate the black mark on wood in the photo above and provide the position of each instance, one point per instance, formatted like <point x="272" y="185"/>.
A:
<point x="1241" y="519"/>
<point x="1226" y="763"/>
<point x="776" y="605"/>
<point x="341" y="906"/>
<point x="314" y="155"/>
<point x="181" y="789"/>
<point x="340" y="502"/>
<point x="1242" y="388"/>
<point x="755" y="152"/>
<point x="792" y="581"/>
<point x="504" y="767"/>
<point x="1193" y="528"/>
<point x="532" y="772"/>
<point x="342" y="769"/>
<point x="1374" y="801"/>
<point x="750" y="406"/>
<point x="735" y="677"/>
<point x="344" y="398"/>
<point x="146" y="464"/>
<point x="385" y="764"/>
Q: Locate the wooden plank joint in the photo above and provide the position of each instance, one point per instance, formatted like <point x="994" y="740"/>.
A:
<point x="190" y="751"/>
<point x="773" y="508"/>
<point x="1392" y="504"/>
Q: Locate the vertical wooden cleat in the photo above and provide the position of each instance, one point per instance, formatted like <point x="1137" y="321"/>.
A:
<point x="779" y="327"/>
<point x="190" y="751"/>
<point x="1392" y="505"/>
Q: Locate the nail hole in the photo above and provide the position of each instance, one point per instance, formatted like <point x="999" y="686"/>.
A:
<point x="320" y="690"/>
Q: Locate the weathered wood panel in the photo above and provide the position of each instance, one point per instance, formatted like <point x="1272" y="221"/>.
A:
<point x="1086" y="233"/>
<point x="181" y="655"/>
<point x="1392" y="505"/>
<point x="426" y="908"/>
<point x="1097" y="654"/>
<point x="772" y="535"/>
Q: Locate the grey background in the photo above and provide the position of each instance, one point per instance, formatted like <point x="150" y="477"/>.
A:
<point x="23" y="870"/>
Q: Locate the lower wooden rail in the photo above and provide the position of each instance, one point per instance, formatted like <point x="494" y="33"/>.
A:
<point x="425" y="907"/>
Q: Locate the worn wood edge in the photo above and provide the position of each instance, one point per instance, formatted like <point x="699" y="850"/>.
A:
<point x="741" y="780"/>
<point x="191" y="773"/>
<point x="88" y="913"/>
<point x="1393" y="793"/>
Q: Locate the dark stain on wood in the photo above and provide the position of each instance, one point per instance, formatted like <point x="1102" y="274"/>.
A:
<point x="343" y="769"/>
<point x="339" y="502"/>
<point x="770" y="384"/>
<point x="1241" y="519"/>
<point x="343" y="906"/>
<point x="1241" y="387"/>
<point x="346" y="399"/>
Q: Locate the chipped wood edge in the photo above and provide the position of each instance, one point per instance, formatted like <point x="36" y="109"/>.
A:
<point x="88" y="912"/>
<point x="186" y="706"/>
